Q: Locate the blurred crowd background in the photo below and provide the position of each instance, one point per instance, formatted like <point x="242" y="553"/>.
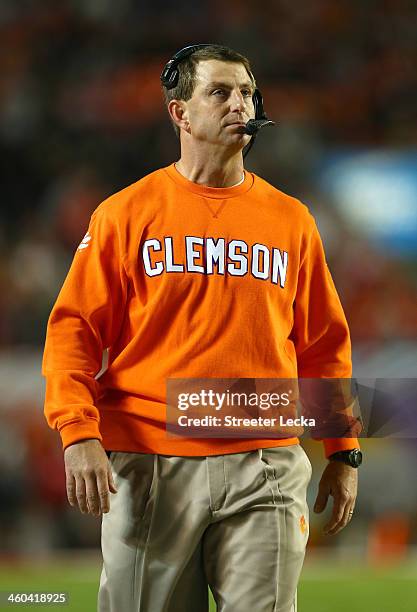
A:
<point x="81" y="116"/>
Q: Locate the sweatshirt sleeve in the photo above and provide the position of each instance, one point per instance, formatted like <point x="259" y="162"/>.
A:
<point x="84" y="321"/>
<point x="320" y="332"/>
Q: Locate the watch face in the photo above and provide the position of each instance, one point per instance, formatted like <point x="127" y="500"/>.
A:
<point x="355" y="457"/>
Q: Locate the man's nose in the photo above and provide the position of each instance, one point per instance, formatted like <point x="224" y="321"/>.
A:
<point x="237" y="102"/>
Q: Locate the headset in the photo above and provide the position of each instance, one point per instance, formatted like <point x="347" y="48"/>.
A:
<point x="169" y="79"/>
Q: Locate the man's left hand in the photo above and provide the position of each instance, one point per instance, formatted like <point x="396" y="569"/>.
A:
<point x="341" y="482"/>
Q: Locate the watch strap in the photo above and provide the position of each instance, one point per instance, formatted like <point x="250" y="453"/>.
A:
<point x="351" y="457"/>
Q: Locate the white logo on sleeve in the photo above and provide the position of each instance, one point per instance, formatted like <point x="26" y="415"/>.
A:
<point x="84" y="242"/>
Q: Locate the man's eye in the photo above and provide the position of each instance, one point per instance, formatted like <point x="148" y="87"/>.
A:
<point x="247" y="93"/>
<point x="219" y="92"/>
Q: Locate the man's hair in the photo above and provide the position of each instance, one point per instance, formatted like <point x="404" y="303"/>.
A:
<point x="187" y="72"/>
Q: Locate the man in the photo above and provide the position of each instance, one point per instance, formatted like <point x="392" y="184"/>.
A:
<point x="198" y="270"/>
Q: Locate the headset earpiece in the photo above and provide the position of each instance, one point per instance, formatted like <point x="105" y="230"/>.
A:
<point x="170" y="73"/>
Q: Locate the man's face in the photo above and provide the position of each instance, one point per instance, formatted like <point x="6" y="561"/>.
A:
<point x="221" y="103"/>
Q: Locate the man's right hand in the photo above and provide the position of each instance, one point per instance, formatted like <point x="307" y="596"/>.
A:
<point x="88" y="477"/>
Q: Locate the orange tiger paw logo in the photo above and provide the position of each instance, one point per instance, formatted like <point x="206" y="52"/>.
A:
<point x="303" y="524"/>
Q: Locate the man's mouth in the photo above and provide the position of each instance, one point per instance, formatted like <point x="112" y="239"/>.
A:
<point x="239" y="126"/>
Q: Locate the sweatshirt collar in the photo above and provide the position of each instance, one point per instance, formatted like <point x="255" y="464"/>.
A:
<point x="210" y="192"/>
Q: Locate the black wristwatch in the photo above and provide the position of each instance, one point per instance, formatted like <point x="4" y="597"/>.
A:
<point x="350" y="457"/>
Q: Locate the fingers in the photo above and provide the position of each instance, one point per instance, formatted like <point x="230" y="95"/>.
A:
<point x="340" y="481"/>
<point x="70" y="485"/>
<point x="342" y="514"/>
<point x="322" y="497"/>
<point x="111" y="484"/>
<point x="93" y="499"/>
<point x="103" y="492"/>
<point x="104" y="500"/>
<point x="97" y="493"/>
<point x="81" y="494"/>
<point x="89" y="478"/>
<point x="90" y="493"/>
<point x="337" y="515"/>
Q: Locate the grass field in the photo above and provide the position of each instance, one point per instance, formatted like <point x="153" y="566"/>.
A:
<point x="325" y="586"/>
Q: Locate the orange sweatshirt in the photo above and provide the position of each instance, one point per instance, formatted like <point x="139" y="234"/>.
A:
<point x="180" y="280"/>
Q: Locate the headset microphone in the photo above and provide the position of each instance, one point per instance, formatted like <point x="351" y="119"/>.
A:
<point x="254" y="125"/>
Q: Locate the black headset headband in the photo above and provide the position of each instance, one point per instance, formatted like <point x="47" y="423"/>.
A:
<point x="169" y="79"/>
<point x="170" y="73"/>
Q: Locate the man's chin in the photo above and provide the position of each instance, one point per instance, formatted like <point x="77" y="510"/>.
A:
<point x="241" y="138"/>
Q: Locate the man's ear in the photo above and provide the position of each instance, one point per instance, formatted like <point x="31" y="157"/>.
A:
<point x="179" y="114"/>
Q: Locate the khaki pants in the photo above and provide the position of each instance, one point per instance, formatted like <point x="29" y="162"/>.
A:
<point x="238" y="523"/>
